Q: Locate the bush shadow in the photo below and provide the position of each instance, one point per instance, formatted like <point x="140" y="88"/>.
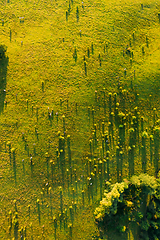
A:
<point x="3" y="81"/>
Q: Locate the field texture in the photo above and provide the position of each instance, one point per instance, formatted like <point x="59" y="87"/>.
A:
<point x="79" y="106"/>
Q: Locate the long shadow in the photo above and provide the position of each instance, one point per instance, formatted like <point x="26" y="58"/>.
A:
<point x="3" y="81"/>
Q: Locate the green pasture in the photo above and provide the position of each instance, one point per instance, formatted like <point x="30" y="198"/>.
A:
<point x="75" y="73"/>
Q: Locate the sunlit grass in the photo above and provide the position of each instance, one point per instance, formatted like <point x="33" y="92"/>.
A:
<point x="40" y="49"/>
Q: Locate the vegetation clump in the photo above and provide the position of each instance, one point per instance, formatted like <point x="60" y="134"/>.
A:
<point x="3" y="50"/>
<point x="74" y="87"/>
<point x="133" y="204"/>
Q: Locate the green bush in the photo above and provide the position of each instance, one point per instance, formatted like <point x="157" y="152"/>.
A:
<point x="129" y="202"/>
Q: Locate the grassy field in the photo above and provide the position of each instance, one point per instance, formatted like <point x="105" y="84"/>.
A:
<point x="64" y="60"/>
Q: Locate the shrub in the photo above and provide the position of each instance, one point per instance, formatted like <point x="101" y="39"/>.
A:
<point x="130" y="201"/>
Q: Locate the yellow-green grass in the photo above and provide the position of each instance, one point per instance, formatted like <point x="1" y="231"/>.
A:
<point x="36" y="53"/>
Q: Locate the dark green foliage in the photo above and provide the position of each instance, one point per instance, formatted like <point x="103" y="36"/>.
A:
<point x="3" y="50"/>
<point x="131" y="202"/>
<point x="3" y="76"/>
<point x="88" y="52"/>
<point x="85" y="68"/>
<point x="75" y="54"/>
<point x="143" y="52"/>
<point x="69" y="8"/>
<point x="66" y="15"/>
<point x="77" y="14"/>
<point x="42" y="86"/>
<point x="92" y="48"/>
<point x="10" y="35"/>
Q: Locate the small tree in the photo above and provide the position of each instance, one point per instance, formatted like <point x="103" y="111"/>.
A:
<point x="131" y="206"/>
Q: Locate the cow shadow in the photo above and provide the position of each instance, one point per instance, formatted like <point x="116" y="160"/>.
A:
<point x="3" y="81"/>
